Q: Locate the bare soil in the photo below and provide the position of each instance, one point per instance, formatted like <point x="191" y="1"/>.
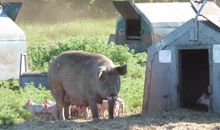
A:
<point x="180" y="119"/>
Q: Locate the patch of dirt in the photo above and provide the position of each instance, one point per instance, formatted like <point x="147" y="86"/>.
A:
<point x="181" y="119"/>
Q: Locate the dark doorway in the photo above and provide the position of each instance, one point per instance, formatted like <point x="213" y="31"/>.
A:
<point x="194" y="77"/>
<point x="133" y="29"/>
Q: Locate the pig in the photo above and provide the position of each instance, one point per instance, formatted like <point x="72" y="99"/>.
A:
<point x="86" y="78"/>
<point x="204" y="99"/>
<point x="34" y="108"/>
<point x="48" y="102"/>
<point x="119" y="107"/>
<point x="83" y="111"/>
<point x="80" y="111"/>
<point x="50" y="108"/>
<point x="116" y="109"/>
<point x="102" y="108"/>
<point x="74" y="111"/>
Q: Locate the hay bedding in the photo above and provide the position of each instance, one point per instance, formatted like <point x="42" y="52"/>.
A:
<point x="181" y="119"/>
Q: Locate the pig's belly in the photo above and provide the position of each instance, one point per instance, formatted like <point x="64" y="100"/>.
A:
<point x="77" y="98"/>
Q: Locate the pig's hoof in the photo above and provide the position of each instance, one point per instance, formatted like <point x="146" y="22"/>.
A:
<point x="95" y="120"/>
<point x="69" y="118"/>
<point x="110" y="117"/>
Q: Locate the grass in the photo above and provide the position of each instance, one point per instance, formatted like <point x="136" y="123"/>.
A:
<point x="45" y="34"/>
<point x="13" y="99"/>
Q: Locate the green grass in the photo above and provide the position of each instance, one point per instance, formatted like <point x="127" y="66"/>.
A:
<point x="46" y="34"/>
<point x="13" y="99"/>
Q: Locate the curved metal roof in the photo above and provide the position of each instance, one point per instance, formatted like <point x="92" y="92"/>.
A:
<point x="173" y="14"/>
<point x="210" y="11"/>
<point x="11" y="7"/>
<point x="9" y="29"/>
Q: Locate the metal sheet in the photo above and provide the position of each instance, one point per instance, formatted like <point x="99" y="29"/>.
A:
<point x="111" y="38"/>
<point x="170" y="14"/>
<point x="12" y="8"/>
<point x="216" y="88"/>
<point x="10" y="30"/>
<point x="10" y="58"/>
<point x="126" y="9"/>
<point x="210" y="11"/>
<point x="14" y="1"/>
<point x="12" y="44"/>
<point x="36" y="78"/>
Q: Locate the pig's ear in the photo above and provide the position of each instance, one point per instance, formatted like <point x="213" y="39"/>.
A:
<point x="45" y="101"/>
<point x="101" y="70"/>
<point x="46" y="105"/>
<point x="122" y="70"/>
<point x="29" y="101"/>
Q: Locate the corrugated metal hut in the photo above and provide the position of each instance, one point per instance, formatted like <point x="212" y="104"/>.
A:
<point x="143" y="24"/>
<point x="12" y="39"/>
<point x="185" y="63"/>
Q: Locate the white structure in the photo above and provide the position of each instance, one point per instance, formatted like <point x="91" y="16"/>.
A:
<point x="12" y="40"/>
<point x="186" y="63"/>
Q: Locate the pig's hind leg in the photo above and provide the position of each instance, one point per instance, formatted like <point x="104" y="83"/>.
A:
<point x="59" y="94"/>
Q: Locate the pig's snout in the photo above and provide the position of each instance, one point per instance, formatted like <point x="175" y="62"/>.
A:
<point x="112" y="98"/>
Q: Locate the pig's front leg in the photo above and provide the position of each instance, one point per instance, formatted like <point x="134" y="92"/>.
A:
<point x="94" y="109"/>
<point x="35" y="115"/>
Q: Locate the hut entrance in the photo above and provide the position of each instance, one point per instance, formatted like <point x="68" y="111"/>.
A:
<point x="194" y="77"/>
<point x="133" y="23"/>
<point x="133" y="29"/>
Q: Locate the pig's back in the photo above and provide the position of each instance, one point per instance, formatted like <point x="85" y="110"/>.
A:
<point x="76" y="71"/>
<point x="71" y="63"/>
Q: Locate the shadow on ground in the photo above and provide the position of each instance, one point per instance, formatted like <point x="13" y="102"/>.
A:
<point x="177" y="119"/>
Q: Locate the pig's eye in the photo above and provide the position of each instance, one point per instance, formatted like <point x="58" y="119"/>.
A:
<point x="103" y="80"/>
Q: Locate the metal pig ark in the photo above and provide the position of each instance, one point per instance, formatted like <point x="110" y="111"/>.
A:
<point x="12" y="39"/>
<point x="185" y="63"/>
<point x="143" y="24"/>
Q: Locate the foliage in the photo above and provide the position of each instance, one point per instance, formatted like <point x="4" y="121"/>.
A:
<point x="10" y="84"/>
<point x="12" y="102"/>
<point x="132" y="91"/>
<point x="41" y="54"/>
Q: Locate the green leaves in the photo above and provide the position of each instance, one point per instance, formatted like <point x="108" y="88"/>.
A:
<point x="12" y="102"/>
<point x="40" y="54"/>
